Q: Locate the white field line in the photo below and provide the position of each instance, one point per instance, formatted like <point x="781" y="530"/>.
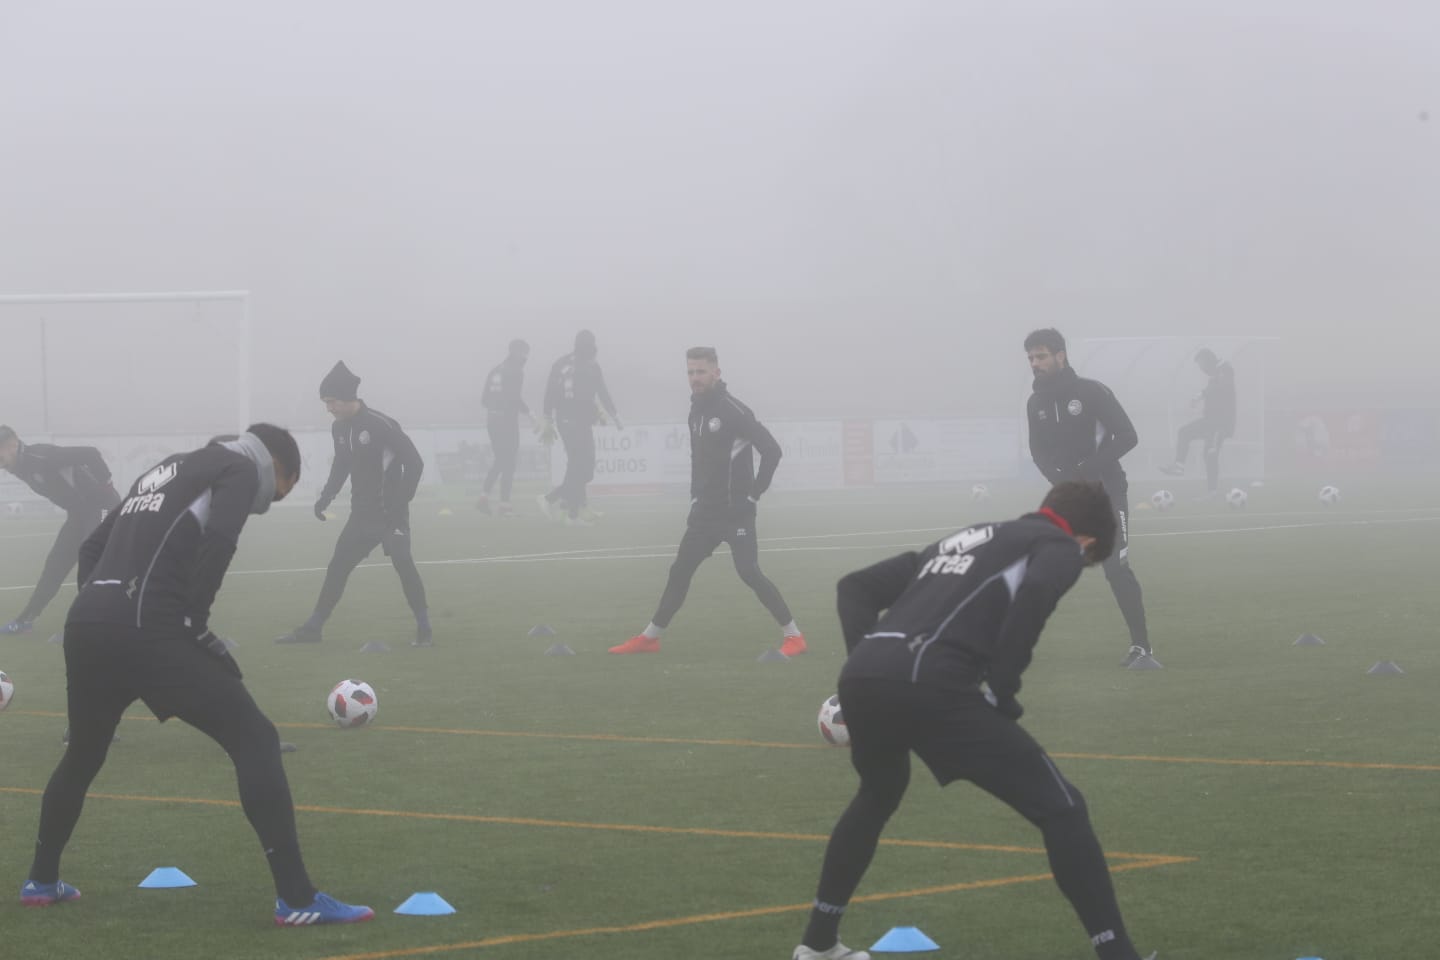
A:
<point x="623" y="553"/>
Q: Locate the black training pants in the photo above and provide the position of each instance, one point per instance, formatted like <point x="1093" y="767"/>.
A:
<point x="504" y="452"/>
<point x="361" y="535"/>
<point x="1121" y="578"/>
<point x="107" y="668"/>
<point x="579" y="441"/>
<point x="703" y="534"/>
<point x="1211" y="436"/>
<point x="961" y="737"/>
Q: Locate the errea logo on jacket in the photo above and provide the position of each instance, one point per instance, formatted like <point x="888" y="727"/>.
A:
<point x="157" y="478"/>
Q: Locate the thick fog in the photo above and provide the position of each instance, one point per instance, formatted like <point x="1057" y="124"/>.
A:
<point x="863" y="205"/>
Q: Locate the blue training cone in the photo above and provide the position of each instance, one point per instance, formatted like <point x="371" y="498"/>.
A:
<point x="425" y="905"/>
<point x="904" y="940"/>
<point x="166" y="878"/>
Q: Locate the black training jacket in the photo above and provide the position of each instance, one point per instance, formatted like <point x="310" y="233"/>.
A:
<point x="72" y="478"/>
<point x="158" y="559"/>
<point x="380" y="461"/>
<point x="966" y="609"/>
<point x="724" y="437"/>
<point x="1078" y="430"/>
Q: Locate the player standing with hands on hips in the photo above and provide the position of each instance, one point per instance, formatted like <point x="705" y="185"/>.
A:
<point x="1079" y="431"/>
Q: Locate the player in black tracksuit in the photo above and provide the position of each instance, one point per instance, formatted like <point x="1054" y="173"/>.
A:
<point x="575" y="385"/>
<point x="77" y="481"/>
<point x="923" y="631"/>
<point x="1216" y="423"/>
<point x="384" y="469"/>
<point x="724" y="490"/>
<point x="140" y="630"/>
<point x="504" y="402"/>
<point x="1079" y="431"/>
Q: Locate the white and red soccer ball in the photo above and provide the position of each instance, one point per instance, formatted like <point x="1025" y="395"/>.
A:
<point x="352" y="703"/>
<point x="832" y="723"/>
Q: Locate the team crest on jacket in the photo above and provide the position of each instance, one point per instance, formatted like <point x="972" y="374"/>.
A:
<point x="714" y="424"/>
<point x="364" y="437"/>
<point x="157" y="478"/>
<point x="1074" y="406"/>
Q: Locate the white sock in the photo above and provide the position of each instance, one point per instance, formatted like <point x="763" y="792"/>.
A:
<point x="652" y="632"/>
<point x="791" y="629"/>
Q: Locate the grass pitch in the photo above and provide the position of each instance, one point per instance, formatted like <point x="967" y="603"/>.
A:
<point x="1257" y="799"/>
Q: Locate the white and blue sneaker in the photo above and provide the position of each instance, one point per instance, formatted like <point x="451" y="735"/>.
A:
<point x="34" y="894"/>
<point x="837" y="952"/>
<point x="323" y="909"/>
<point x="17" y="626"/>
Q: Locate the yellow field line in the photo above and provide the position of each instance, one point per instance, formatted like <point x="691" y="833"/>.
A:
<point x="778" y="745"/>
<point x="1244" y="762"/>
<point x="730" y="915"/>
<point x="581" y="825"/>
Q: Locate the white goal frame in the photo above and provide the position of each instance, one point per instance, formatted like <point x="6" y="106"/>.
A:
<point x="1177" y="354"/>
<point x="240" y="297"/>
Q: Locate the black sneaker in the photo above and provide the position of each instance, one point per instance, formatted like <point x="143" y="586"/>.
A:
<point x="301" y="634"/>
<point x="423" y="638"/>
<point x="1136" y="652"/>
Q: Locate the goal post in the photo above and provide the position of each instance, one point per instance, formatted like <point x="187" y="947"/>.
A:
<point x="1158" y="383"/>
<point x="103" y="363"/>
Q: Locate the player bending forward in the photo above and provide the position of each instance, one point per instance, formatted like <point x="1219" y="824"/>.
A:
<point x="924" y="631"/>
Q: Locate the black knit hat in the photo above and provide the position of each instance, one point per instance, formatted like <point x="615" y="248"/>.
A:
<point x="339" y="383"/>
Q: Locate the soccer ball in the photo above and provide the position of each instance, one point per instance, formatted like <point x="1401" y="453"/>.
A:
<point x="1237" y="498"/>
<point x="979" y="493"/>
<point x="7" y="690"/>
<point x="352" y="703"/>
<point x="1329" y="495"/>
<point x="832" y="723"/>
<point x="1163" y="499"/>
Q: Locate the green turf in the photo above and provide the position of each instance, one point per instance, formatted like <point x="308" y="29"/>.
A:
<point x="1282" y="860"/>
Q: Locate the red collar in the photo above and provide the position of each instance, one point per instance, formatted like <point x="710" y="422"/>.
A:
<point x="1056" y="519"/>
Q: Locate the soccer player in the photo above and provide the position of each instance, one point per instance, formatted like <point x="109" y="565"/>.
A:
<point x="139" y="630"/>
<point x="575" y="387"/>
<point x="724" y="489"/>
<point x="77" y="481"/>
<point x="1215" y="425"/>
<point x="384" y="469"/>
<point x="504" y="404"/>
<point x="1079" y="431"/>
<point x="964" y="611"/>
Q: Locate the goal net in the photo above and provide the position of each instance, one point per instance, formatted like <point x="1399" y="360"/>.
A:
<point x="1158" y="383"/>
<point x="138" y="375"/>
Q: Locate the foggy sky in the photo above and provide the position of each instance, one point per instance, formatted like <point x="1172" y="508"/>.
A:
<point x="863" y="205"/>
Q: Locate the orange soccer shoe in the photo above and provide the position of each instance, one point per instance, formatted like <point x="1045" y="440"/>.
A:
<point x="794" y="645"/>
<point x="637" y="644"/>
